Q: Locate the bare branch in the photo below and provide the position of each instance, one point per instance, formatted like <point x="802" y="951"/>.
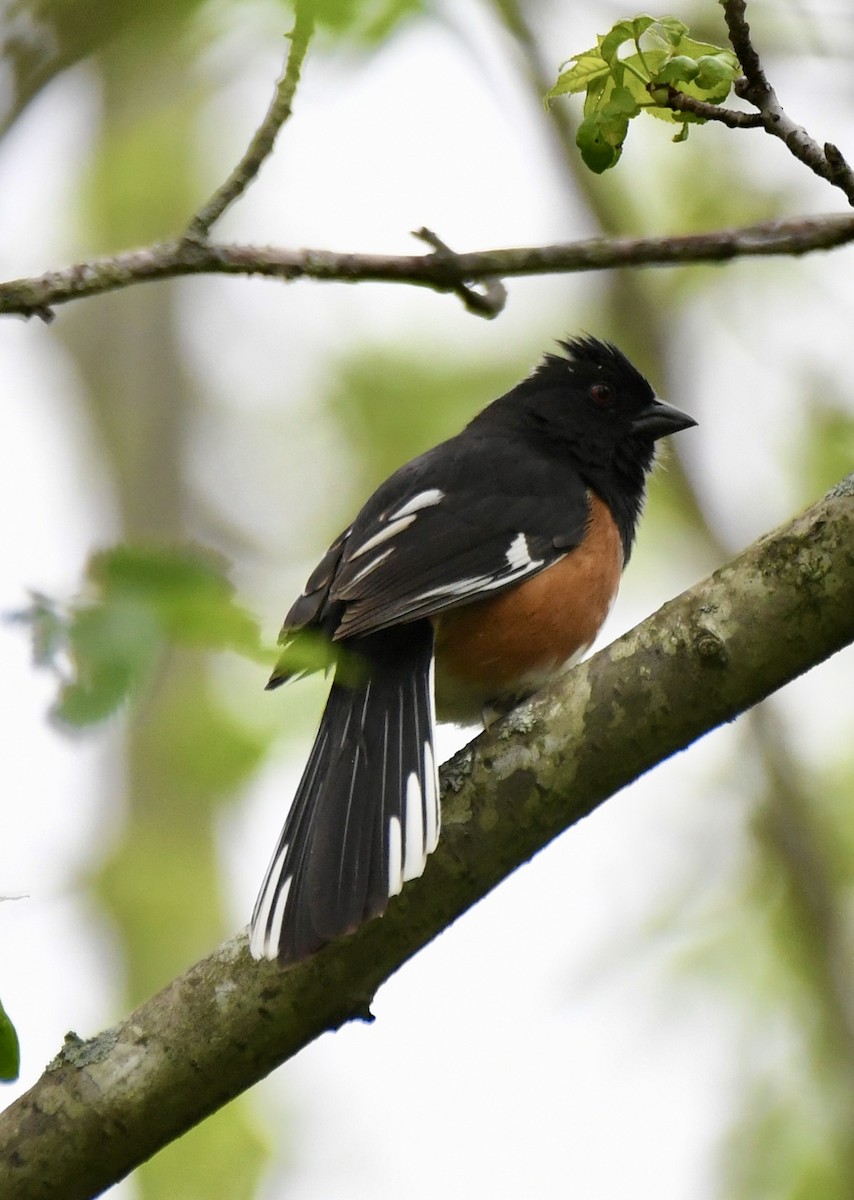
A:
<point x="262" y="143"/>
<point x="491" y="297"/>
<point x="731" y="117"/>
<point x="444" y="272"/>
<point x="106" y="1104"/>
<point x="828" y="163"/>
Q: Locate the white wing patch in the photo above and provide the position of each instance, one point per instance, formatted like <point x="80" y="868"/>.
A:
<point x="396" y="525"/>
<point x="518" y="555"/>
<point x="422" y="500"/>
<point x="391" y="525"/>
<point x="371" y="566"/>
<point x="475" y="585"/>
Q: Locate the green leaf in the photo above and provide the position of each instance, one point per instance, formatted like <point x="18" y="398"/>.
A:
<point x="597" y="94"/>
<point x="663" y="56"/>
<point x="626" y="31"/>
<point x="716" y="75"/>
<point x="186" y="589"/>
<point x="113" y="648"/>
<point x="717" y="70"/>
<point x="610" y="44"/>
<point x="597" y="150"/>
<point x="673" y="29"/>
<point x="10" y="1051"/>
<point x="588" y="67"/>
<point x="140" y="599"/>
<point x="677" y="70"/>
<point x="621" y="102"/>
<point x="698" y="50"/>
<point x="636" y="74"/>
<point x="306" y="651"/>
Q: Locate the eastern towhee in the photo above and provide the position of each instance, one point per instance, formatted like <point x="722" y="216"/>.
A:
<point x="494" y="557"/>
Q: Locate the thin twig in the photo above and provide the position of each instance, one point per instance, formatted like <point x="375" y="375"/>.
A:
<point x="444" y="272"/>
<point x="735" y="15"/>
<point x="262" y="142"/>
<point x="828" y="163"/>
<point x="731" y="117"/>
<point x="485" y="297"/>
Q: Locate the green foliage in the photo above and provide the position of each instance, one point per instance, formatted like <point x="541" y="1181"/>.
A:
<point x="61" y="34"/>
<point x="367" y="21"/>
<point x="147" y="141"/>
<point x="305" y="651"/>
<point x="217" y="1158"/>
<point x="826" y="453"/>
<point x="619" y="88"/>
<point x="10" y="1053"/>
<point x="140" y="600"/>
<point x="415" y="399"/>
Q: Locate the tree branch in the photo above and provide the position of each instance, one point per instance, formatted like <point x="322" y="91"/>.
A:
<point x="474" y="277"/>
<point x="262" y="142"/>
<point x="731" y="117"/>
<point x="827" y="163"/>
<point x="106" y="1104"/>
<point x="443" y="271"/>
<point x="485" y="297"/>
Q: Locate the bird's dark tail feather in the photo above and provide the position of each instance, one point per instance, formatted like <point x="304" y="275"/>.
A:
<point x="366" y="812"/>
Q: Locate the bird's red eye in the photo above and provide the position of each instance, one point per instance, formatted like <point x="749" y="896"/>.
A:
<point x="603" y="395"/>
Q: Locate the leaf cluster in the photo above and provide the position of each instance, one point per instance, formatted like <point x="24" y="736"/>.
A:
<point x="620" y="86"/>
<point x="140" y="599"/>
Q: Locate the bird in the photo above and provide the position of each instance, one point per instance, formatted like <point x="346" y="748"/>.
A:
<point x="487" y="564"/>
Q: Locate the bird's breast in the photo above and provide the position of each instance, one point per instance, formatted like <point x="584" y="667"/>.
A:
<point x="509" y="645"/>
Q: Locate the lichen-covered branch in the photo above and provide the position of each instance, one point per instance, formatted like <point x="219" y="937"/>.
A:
<point x="443" y="271"/>
<point x="106" y="1104"/>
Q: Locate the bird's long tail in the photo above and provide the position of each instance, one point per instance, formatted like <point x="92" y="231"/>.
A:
<point x="366" y="812"/>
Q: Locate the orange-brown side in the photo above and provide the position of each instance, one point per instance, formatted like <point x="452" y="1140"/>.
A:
<point x="513" y="642"/>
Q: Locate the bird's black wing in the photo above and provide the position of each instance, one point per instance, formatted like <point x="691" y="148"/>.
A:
<point x="461" y="522"/>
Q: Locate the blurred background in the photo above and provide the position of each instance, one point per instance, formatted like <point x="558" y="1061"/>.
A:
<point x="662" y="1003"/>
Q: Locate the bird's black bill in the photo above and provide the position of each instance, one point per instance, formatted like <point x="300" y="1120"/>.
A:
<point x="660" y="419"/>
